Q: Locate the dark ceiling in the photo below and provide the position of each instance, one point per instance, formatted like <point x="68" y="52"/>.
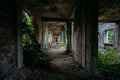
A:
<point x="56" y="27"/>
<point x="108" y="10"/>
<point x="53" y="8"/>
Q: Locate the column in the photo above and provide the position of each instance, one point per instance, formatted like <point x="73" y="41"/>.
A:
<point x="69" y="47"/>
<point x="19" y="56"/>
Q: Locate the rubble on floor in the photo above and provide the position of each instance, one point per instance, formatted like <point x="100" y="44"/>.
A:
<point x="39" y="74"/>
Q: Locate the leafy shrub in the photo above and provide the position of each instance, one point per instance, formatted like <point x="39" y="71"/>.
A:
<point x="111" y="56"/>
<point x="108" y="57"/>
<point x="109" y="65"/>
<point x="100" y="58"/>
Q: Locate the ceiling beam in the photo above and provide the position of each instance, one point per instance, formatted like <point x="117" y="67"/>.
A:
<point x="56" y="1"/>
<point x="37" y="4"/>
<point x="56" y="19"/>
<point x="109" y="21"/>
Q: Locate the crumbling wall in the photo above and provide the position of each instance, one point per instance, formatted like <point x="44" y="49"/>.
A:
<point x="38" y="25"/>
<point x="102" y="27"/>
<point x="7" y="37"/>
<point x="77" y="43"/>
<point x="75" y="35"/>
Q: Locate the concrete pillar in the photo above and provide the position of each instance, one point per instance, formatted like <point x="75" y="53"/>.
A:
<point x="83" y="45"/>
<point x="79" y="44"/>
<point x="44" y="36"/>
<point x="49" y="38"/>
<point x="72" y="33"/>
<point x="40" y="34"/>
<point x="75" y="43"/>
<point x="91" y="36"/>
<point x="86" y="15"/>
<point x="118" y="36"/>
<point x="20" y="52"/>
<point x="69" y="47"/>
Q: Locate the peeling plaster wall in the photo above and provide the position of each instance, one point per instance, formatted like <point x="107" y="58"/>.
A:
<point x="102" y="27"/>
<point x="80" y="45"/>
<point x="75" y="34"/>
<point x="77" y="43"/>
<point x="38" y="24"/>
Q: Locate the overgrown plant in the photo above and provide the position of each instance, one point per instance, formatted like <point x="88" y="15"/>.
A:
<point x="109" y="65"/>
<point x="33" y="56"/>
<point x="108" y="57"/>
<point x="110" y="35"/>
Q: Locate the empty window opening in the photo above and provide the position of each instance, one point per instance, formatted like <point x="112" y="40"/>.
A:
<point x="108" y="38"/>
<point x="109" y="34"/>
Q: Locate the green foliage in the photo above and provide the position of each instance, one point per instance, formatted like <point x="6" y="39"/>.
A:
<point x="110" y="72"/>
<point x="110" y="36"/>
<point x="111" y="57"/>
<point x="32" y="54"/>
<point x="108" y="57"/>
<point x="109" y="65"/>
<point x="100" y="58"/>
<point x="65" y="36"/>
<point x="28" y="36"/>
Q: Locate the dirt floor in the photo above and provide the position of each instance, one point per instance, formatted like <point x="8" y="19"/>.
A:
<point x="63" y="67"/>
<point x="64" y="62"/>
